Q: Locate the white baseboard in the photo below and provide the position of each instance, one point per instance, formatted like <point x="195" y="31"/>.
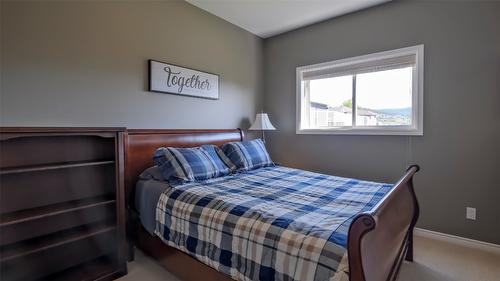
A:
<point x="462" y="241"/>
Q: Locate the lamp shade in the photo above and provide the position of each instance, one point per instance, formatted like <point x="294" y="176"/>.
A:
<point x="262" y="123"/>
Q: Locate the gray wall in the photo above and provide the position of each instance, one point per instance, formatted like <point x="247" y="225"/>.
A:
<point x="459" y="152"/>
<point x="82" y="63"/>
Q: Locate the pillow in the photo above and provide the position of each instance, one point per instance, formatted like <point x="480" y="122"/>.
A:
<point x="248" y="155"/>
<point x="151" y="173"/>
<point x="182" y="165"/>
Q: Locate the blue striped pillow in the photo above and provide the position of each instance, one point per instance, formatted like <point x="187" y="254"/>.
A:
<point x="248" y="155"/>
<point x="182" y="165"/>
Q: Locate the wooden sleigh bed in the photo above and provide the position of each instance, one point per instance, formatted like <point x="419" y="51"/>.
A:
<point x="378" y="240"/>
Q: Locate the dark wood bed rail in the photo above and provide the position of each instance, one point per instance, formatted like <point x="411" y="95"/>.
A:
<point x="380" y="238"/>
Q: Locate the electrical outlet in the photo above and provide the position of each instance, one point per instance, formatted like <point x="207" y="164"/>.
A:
<point x="470" y="213"/>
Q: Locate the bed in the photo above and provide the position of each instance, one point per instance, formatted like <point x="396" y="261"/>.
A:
<point x="376" y="239"/>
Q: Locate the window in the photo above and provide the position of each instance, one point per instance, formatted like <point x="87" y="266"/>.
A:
<point x="376" y="94"/>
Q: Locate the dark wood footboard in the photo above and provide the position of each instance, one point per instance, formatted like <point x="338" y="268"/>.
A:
<point x="380" y="239"/>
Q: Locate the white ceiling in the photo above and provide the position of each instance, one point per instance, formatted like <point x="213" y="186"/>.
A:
<point x="267" y="18"/>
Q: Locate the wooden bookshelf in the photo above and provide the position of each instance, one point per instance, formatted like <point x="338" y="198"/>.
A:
<point x="55" y="166"/>
<point x="62" y="212"/>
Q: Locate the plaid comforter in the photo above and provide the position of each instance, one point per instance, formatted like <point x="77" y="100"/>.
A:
<point x="273" y="223"/>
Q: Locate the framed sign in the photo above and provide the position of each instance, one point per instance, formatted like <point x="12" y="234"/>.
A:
<point x="177" y="80"/>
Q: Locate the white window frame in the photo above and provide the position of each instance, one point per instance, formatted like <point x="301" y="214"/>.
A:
<point x="416" y="129"/>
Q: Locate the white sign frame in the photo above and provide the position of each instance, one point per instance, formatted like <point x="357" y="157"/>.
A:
<point x="169" y="78"/>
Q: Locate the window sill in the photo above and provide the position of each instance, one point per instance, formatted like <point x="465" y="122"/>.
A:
<point x="361" y="131"/>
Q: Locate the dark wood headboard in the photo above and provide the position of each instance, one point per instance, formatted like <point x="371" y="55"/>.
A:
<point x="140" y="145"/>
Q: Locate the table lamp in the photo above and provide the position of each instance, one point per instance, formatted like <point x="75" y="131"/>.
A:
<point x="262" y="123"/>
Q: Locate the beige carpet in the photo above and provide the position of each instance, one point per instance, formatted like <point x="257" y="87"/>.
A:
<point x="437" y="260"/>
<point x="434" y="260"/>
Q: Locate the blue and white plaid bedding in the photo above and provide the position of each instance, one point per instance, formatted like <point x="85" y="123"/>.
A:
<point x="248" y="155"/>
<point x="273" y="223"/>
<point x="181" y="165"/>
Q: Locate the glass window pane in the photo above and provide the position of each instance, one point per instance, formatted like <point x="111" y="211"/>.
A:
<point x="330" y="102"/>
<point x="384" y="98"/>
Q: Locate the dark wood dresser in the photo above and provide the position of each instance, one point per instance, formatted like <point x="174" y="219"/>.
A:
<point x="62" y="211"/>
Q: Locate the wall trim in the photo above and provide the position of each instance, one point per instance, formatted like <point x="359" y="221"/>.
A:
<point x="462" y="241"/>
